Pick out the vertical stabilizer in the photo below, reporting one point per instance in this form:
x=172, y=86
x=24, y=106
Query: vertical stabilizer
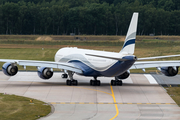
x=129, y=44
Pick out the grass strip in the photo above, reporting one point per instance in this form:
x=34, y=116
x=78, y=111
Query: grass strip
x=14, y=107
x=174, y=92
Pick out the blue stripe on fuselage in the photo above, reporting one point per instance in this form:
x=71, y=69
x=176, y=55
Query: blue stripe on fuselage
x=117, y=69
x=87, y=71
x=129, y=42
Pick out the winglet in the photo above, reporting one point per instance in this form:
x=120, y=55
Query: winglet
x=129, y=44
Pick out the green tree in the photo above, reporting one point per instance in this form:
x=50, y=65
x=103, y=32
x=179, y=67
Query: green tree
x=169, y=5
x=10, y=13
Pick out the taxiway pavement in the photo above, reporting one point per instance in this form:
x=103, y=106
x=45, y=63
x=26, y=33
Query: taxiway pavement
x=140, y=97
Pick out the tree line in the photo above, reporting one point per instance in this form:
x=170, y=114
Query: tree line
x=88, y=17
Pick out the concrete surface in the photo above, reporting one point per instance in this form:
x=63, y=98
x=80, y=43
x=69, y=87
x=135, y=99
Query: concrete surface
x=164, y=80
x=140, y=97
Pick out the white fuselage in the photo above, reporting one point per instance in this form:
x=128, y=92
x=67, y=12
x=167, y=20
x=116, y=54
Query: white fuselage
x=96, y=63
x=79, y=54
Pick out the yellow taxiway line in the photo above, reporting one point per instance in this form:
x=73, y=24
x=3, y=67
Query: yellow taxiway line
x=114, y=99
x=112, y=94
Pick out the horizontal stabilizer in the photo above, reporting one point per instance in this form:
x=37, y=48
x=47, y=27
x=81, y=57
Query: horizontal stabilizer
x=154, y=64
x=158, y=57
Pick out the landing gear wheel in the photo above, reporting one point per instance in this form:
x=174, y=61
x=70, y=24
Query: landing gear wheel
x=91, y=81
x=98, y=82
x=68, y=82
x=116, y=82
x=64, y=76
x=119, y=82
x=113, y=82
x=95, y=82
x=75, y=82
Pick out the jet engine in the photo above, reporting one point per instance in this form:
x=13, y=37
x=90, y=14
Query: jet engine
x=9, y=69
x=45, y=73
x=124, y=75
x=169, y=71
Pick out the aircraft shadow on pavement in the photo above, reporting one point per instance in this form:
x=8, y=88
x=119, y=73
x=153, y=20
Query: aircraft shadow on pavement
x=80, y=84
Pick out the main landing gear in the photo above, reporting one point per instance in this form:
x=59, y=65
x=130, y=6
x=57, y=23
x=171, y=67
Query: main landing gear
x=71, y=81
x=116, y=82
x=95, y=82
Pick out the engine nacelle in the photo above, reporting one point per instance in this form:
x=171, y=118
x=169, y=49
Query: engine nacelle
x=124, y=75
x=45, y=73
x=169, y=71
x=9, y=69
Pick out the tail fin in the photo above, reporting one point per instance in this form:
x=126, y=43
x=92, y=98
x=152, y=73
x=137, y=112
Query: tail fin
x=129, y=44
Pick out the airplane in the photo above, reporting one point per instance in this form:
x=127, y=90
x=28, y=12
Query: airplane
x=93, y=63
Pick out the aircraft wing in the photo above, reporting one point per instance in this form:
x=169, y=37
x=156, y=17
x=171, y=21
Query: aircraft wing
x=152, y=64
x=60, y=65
